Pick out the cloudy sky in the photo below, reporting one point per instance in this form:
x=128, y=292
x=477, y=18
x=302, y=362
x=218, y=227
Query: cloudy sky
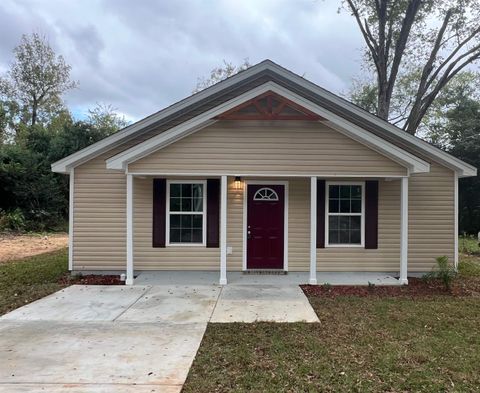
x=140, y=56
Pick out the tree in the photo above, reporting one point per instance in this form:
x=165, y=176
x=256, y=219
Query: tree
x=220, y=73
x=36, y=80
x=104, y=117
x=455, y=127
x=364, y=94
x=435, y=39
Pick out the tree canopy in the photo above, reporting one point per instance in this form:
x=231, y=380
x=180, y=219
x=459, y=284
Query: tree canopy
x=220, y=73
x=36, y=80
x=415, y=48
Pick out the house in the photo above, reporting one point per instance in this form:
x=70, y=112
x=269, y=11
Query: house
x=264, y=170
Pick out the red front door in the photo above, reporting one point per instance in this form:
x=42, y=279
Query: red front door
x=265, y=226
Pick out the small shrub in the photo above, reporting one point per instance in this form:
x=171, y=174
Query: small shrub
x=469, y=245
x=444, y=272
x=327, y=286
x=14, y=220
x=371, y=285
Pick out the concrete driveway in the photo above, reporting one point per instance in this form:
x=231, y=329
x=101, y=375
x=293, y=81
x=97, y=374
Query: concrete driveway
x=125, y=339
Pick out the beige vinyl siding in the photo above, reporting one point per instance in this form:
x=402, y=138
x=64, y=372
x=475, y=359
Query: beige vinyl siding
x=431, y=218
x=99, y=223
x=384, y=259
x=235, y=226
x=100, y=203
x=299, y=225
x=200, y=258
x=99, y=226
x=146, y=257
x=282, y=148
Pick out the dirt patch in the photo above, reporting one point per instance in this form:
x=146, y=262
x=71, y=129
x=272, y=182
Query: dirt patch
x=416, y=287
x=13, y=247
x=91, y=279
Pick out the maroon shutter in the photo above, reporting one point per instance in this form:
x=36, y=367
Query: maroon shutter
x=371, y=214
x=213, y=213
x=320, y=213
x=159, y=212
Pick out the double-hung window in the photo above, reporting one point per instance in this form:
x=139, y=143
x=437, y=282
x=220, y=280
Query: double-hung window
x=186, y=206
x=345, y=210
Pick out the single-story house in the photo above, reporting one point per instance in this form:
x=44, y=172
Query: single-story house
x=262, y=171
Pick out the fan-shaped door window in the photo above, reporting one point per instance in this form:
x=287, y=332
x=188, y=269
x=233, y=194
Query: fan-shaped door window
x=265, y=194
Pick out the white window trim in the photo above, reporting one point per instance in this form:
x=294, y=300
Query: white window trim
x=362, y=215
x=203, y=213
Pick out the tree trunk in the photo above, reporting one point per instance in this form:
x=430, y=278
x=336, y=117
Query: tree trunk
x=34, y=112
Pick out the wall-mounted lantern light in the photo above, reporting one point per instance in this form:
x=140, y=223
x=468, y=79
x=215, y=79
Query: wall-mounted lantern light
x=238, y=183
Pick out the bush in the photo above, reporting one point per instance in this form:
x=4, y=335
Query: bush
x=444, y=272
x=14, y=220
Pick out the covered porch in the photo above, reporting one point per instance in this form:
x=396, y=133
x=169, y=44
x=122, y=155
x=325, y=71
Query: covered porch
x=308, y=254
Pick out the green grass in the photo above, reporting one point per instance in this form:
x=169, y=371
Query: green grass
x=29, y=279
x=360, y=345
x=427, y=344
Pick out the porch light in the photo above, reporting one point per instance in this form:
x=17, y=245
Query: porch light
x=238, y=183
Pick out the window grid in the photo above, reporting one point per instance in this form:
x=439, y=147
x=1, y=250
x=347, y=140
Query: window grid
x=351, y=220
x=186, y=217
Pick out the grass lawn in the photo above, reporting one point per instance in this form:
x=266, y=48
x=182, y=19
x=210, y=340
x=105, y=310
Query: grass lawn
x=29, y=279
x=369, y=344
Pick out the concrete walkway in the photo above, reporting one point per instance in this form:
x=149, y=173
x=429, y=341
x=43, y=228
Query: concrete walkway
x=128, y=339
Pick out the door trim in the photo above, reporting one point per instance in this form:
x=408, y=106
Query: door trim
x=285, y=219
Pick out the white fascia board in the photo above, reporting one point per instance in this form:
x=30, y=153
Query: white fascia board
x=413, y=163
x=64, y=165
x=395, y=153
x=433, y=152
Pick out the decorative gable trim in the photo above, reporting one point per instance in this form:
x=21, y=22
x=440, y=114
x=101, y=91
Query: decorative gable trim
x=269, y=106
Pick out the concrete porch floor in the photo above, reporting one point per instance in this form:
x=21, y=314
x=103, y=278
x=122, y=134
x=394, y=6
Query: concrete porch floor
x=239, y=278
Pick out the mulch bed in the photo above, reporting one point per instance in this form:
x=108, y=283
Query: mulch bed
x=91, y=279
x=417, y=287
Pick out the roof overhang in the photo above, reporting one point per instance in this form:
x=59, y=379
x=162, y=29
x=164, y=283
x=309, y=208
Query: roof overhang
x=266, y=69
x=413, y=163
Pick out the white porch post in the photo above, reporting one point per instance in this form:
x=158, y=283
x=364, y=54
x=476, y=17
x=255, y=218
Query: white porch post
x=455, y=242
x=70, y=220
x=313, y=231
x=404, y=231
x=129, y=279
x=223, y=231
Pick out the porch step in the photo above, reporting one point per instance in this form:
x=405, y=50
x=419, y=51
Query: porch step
x=276, y=272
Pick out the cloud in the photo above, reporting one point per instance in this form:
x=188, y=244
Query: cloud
x=142, y=56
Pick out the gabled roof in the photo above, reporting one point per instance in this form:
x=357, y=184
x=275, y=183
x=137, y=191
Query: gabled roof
x=406, y=159
x=265, y=72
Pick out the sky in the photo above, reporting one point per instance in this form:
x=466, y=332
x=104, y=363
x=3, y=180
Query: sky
x=140, y=56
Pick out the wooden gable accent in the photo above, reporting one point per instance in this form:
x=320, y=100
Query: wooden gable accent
x=269, y=106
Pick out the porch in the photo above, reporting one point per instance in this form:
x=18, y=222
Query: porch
x=307, y=253
x=175, y=277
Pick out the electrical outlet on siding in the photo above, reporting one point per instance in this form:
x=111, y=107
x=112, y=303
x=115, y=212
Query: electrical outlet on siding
x=229, y=250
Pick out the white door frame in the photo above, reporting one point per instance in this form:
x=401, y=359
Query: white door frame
x=285, y=218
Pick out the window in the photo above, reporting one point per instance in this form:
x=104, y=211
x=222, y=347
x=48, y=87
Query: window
x=345, y=214
x=265, y=194
x=186, y=213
